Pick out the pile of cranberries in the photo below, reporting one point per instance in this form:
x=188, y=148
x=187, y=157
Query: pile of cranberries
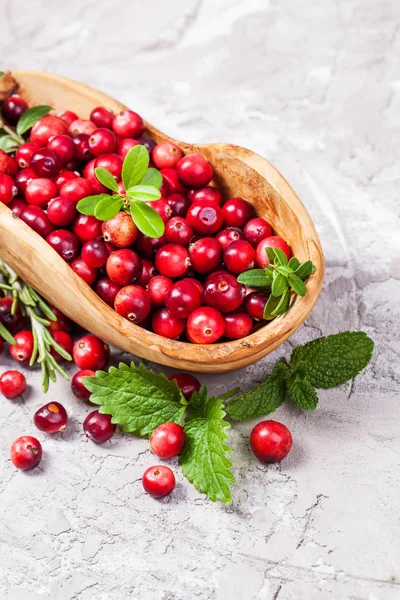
x=181, y=285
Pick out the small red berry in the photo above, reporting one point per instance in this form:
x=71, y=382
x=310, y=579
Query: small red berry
x=128, y=124
x=167, y=440
x=124, y=267
x=223, y=292
x=26, y=452
x=148, y=246
x=102, y=141
x=173, y=183
x=256, y=230
x=158, y=287
x=205, y=254
x=7, y=189
x=239, y=256
x=23, y=348
x=237, y=325
x=187, y=383
x=78, y=387
x=166, y=325
x=39, y=192
x=36, y=218
x=205, y=325
x=133, y=303
x=178, y=231
x=51, y=418
x=90, y=353
x=172, y=260
x=179, y=204
x=98, y=427
x=208, y=194
x=148, y=272
x=121, y=231
x=68, y=116
x=83, y=270
x=194, y=171
x=205, y=217
x=46, y=128
x=46, y=163
x=81, y=145
x=90, y=176
x=166, y=155
x=270, y=441
x=272, y=241
x=13, y=108
x=65, y=243
x=87, y=228
x=63, y=177
x=162, y=207
x=95, y=254
x=61, y=211
x=236, y=212
x=124, y=145
x=64, y=147
x=76, y=189
x=81, y=127
x=24, y=154
x=111, y=162
x=64, y=340
x=102, y=117
x=182, y=299
x=229, y=235
x=22, y=178
x=17, y=206
x=107, y=290
x=255, y=303
x=158, y=481
x=12, y=384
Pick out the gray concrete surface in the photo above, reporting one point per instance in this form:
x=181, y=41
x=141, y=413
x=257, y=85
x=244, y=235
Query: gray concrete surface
x=315, y=88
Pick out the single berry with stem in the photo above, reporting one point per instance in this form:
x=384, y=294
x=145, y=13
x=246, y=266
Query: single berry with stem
x=26, y=452
x=166, y=155
x=51, y=418
x=98, y=427
x=102, y=141
x=65, y=243
x=102, y=117
x=178, y=231
x=127, y=123
x=167, y=440
x=24, y=154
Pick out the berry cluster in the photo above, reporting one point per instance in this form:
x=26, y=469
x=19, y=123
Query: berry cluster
x=180, y=285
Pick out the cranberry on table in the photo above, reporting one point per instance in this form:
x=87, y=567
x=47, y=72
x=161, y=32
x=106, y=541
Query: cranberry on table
x=128, y=124
x=158, y=287
x=148, y=246
x=187, y=384
x=51, y=418
x=167, y=440
x=158, y=481
x=236, y=212
x=194, y=171
x=166, y=155
x=124, y=266
x=91, y=353
x=270, y=441
x=120, y=230
x=102, y=117
x=237, y=325
x=102, y=141
x=223, y=292
x=254, y=304
x=13, y=108
x=174, y=185
x=63, y=339
x=124, y=145
x=65, y=243
x=13, y=321
x=229, y=235
x=36, y=218
x=207, y=193
x=78, y=387
x=107, y=290
x=46, y=128
x=172, y=260
x=12, y=384
x=273, y=241
x=61, y=211
x=7, y=189
x=205, y=217
x=40, y=191
x=26, y=452
x=62, y=322
x=24, y=154
x=23, y=348
x=179, y=204
x=77, y=188
x=205, y=325
x=133, y=303
x=68, y=116
x=95, y=254
x=81, y=127
x=182, y=299
x=84, y=271
x=178, y=231
x=239, y=256
x=98, y=427
x=166, y=325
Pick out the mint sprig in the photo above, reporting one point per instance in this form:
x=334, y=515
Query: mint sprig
x=141, y=185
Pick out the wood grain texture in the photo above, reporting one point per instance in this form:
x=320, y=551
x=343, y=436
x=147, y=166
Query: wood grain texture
x=238, y=172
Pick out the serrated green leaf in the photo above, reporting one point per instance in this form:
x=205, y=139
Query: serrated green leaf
x=279, y=284
x=294, y=263
x=331, y=361
x=256, y=278
x=282, y=305
x=147, y=220
x=297, y=284
x=108, y=207
x=138, y=399
x=87, y=205
x=135, y=166
x=270, y=306
x=204, y=459
x=30, y=116
x=6, y=335
x=106, y=178
x=305, y=270
x=302, y=392
x=261, y=400
x=8, y=144
x=152, y=177
x=144, y=193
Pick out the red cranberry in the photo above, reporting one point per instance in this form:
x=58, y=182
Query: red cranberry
x=229, y=235
x=166, y=155
x=158, y=288
x=61, y=211
x=158, y=481
x=13, y=108
x=124, y=267
x=67, y=116
x=179, y=204
x=81, y=127
x=51, y=418
x=237, y=325
x=95, y=254
x=46, y=128
x=172, y=260
x=90, y=353
x=82, y=269
x=187, y=384
x=205, y=325
x=166, y=325
x=62, y=322
x=167, y=440
x=205, y=254
x=63, y=177
x=182, y=299
x=236, y=212
x=46, y=163
x=8, y=166
x=65, y=243
x=148, y=246
x=102, y=141
x=24, y=154
x=148, y=272
x=102, y=117
x=76, y=189
x=124, y=145
x=22, y=179
x=270, y=441
x=147, y=142
x=133, y=303
x=40, y=191
x=81, y=145
x=171, y=177
x=107, y=290
x=12, y=384
x=194, y=171
x=195, y=282
x=208, y=194
x=256, y=230
x=64, y=147
x=223, y=292
x=78, y=387
x=36, y=218
x=239, y=256
x=23, y=348
x=205, y=217
x=162, y=207
x=128, y=124
x=272, y=241
x=17, y=206
x=7, y=189
x=26, y=452
x=90, y=176
x=64, y=340
x=111, y=162
x=178, y=231
x=12, y=320
x=86, y=228
x=255, y=304
x=121, y=231
x=98, y=427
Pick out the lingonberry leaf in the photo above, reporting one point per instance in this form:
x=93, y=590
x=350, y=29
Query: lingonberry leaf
x=302, y=392
x=294, y=263
x=204, y=459
x=285, y=271
x=144, y=193
x=1, y=73
x=279, y=284
x=106, y=178
x=282, y=305
x=8, y=144
x=276, y=256
x=135, y=166
x=147, y=220
x=270, y=306
x=87, y=205
x=256, y=278
x=30, y=116
x=108, y=207
x=152, y=177
x=305, y=270
x=138, y=399
x=261, y=400
x=297, y=284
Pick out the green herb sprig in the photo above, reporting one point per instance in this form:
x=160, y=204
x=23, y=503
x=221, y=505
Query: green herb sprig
x=11, y=139
x=142, y=184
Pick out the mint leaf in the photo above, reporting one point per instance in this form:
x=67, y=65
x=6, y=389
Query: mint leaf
x=279, y=284
x=8, y=144
x=256, y=278
x=135, y=166
x=302, y=392
x=152, y=177
x=147, y=220
x=297, y=284
x=143, y=193
x=204, y=459
x=263, y=399
x=87, y=205
x=106, y=179
x=30, y=116
x=108, y=207
x=138, y=399
x=331, y=361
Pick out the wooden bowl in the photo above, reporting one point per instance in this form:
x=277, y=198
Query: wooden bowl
x=238, y=172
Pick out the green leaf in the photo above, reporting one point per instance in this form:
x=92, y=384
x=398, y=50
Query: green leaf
x=108, y=207
x=135, y=166
x=302, y=392
x=147, y=220
x=294, y=263
x=279, y=285
x=263, y=399
x=282, y=305
x=285, y=271
x=8, y=144
x=106, y=179
x=6, y=335
x=256, y=278
x=271, y=254
x=331, y=361
x=138, y=399
x=204, y=459
x=152, y=177
x=1, y=73
x=30, y=116
x=297, y=285
x=280, y=257
x=305, y=270
x=144, y=193
x=270, y=306
x=87, y=205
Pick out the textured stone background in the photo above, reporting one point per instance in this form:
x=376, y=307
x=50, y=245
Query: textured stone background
x=314, y=87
